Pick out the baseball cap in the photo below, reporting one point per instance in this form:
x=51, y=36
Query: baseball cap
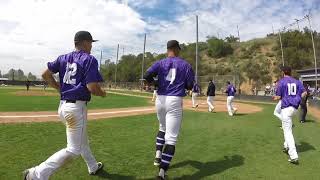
x=83, y=36
x=173, y=44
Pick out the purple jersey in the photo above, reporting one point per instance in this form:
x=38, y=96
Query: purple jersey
x=174, y=74
x=231, y=90
x=196, y=88
x=290, y=91
x=76, y=70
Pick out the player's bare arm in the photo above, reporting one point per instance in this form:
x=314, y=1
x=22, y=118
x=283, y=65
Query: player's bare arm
x=276, y=98
x=47, y=75
x=96, y=89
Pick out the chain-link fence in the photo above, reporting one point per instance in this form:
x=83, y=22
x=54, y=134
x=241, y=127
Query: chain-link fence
x=219, y=81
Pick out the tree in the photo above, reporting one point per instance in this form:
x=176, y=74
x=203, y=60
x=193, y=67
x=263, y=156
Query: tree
x=31, y=77
x=217, y=48
x=231, y=39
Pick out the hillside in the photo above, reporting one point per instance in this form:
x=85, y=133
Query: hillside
x=250, y=64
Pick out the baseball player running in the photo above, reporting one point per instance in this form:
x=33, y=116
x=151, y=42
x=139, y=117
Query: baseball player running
x=79, y=77
x=231, y=91
x=195, y=93
x=211, y=92
x=174, y=76
x=289, y=91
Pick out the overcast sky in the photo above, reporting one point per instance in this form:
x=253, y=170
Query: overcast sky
x=33, y=32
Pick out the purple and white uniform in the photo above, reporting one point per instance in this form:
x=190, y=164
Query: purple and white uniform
x=76, y=70
x=230, y=91
x=290, y=91
x=195, y=93
x=175, y=75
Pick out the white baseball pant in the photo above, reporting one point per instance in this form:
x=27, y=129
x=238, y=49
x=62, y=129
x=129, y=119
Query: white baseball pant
x=286, y=117
x=210, y=102
x=169, y=113
x=74, y=116
x=230, y=105
x=277, y=110
x=194, y=99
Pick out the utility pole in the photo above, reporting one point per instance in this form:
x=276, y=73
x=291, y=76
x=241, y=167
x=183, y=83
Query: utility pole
x=314, y=51
x=142, y=64
x=281, y=47
x=297, y=20
x=115, y=77
x=238, y=33
x=272, y=29
x=197, y=53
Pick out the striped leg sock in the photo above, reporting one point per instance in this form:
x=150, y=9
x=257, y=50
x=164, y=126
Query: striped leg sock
x=159, y=143
x=167, y=156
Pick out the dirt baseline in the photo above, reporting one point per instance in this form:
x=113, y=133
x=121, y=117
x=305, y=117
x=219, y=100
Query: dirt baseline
x=96, y=114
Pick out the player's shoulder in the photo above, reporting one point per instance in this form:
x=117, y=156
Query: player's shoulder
x=183, y=62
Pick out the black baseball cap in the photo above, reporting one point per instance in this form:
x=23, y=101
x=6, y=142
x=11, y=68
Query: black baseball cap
x=83, y=36
x=173, y=44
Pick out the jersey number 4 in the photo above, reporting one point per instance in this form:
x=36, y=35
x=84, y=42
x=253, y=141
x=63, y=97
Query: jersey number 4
x=71, y=70
x=292, y=89
x=171, y=75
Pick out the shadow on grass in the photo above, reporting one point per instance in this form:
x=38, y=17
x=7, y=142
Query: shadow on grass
x=310, y=121
x=210, y=168
x=105, y=175
x=304, y=146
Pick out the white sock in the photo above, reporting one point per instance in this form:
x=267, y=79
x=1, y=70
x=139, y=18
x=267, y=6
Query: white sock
x=158, y=154
x=161, y=173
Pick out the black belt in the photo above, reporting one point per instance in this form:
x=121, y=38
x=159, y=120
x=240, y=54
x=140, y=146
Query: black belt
x=71, y=101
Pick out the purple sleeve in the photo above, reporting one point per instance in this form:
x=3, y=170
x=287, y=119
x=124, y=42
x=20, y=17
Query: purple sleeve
x=154, y=69
x=54, y=66
x=278, y=91
x=92, y=74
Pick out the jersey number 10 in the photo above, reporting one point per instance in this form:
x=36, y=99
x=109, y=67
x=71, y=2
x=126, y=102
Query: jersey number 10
x=292, y=89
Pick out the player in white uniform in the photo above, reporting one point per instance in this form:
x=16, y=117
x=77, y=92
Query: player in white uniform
x=231, y=91
x=79, y=78
x=195, y=94
x=174, y=76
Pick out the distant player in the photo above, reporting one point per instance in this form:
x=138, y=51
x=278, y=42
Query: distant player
x=28, y=84
x=211, y=92
x=174, y=76
x=195, y=94
x=303, y=104
x=230, y=91
x=289, y=91
x=79, y=77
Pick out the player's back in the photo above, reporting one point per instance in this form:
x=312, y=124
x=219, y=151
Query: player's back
x=173, y=75
x=73, y=71
x=290, y=91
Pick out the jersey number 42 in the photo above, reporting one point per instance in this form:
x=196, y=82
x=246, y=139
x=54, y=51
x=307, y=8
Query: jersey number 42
x=71, y=71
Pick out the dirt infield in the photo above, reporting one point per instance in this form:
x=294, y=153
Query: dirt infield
x=49, y=116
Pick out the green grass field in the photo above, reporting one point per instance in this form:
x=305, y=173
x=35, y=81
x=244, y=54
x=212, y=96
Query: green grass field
x=10, y=102
x=211, y=146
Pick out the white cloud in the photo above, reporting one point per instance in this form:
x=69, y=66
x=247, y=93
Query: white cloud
x=33, y=32
x=36, y=31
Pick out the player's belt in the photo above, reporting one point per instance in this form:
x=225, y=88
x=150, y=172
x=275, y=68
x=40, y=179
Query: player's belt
x=71, y=101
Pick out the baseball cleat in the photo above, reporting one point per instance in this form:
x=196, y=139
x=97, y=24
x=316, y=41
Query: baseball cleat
x=294, y=161
x=285, y=150
x=100, y=166
x=157, y=161
x=159, y=178
x=234, y=110
x=197, y=105
x=27, y=173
